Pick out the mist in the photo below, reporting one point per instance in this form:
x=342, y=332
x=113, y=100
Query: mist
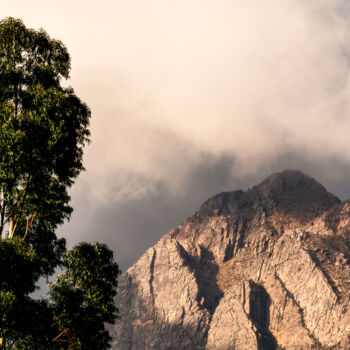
x=191, y=98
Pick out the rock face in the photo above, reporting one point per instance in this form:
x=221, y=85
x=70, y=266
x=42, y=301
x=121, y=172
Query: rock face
x=264, y=269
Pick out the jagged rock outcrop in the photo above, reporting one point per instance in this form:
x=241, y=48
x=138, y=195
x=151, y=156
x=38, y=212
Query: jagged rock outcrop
x=264, y=269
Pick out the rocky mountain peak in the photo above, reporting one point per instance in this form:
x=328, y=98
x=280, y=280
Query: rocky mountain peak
x=292, y=187
x=290, y=192
x=262, y=269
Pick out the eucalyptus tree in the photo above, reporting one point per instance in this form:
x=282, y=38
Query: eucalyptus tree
x=43, y=129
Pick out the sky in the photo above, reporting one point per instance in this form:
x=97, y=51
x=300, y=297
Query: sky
x=190, y=98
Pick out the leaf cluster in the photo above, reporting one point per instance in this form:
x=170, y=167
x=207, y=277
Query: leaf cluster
x=86, y=290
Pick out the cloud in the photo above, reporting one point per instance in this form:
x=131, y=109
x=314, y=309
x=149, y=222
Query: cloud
x=253, y=80
x=190, y=98
x=132, y=225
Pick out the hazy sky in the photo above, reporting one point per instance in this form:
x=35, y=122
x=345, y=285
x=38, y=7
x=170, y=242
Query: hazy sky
x=193, y=97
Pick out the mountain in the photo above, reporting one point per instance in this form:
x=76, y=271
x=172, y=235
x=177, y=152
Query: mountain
x=264, y=269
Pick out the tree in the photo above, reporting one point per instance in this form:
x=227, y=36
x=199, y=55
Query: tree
x=43, y=129
x=87, y=291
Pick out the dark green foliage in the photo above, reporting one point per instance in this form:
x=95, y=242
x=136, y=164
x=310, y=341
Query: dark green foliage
x=43, y=129
x=20, y=267
x=84, y=296
x=34, y=328
x=48, y=248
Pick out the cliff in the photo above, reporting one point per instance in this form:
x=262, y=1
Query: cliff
x=268, y=268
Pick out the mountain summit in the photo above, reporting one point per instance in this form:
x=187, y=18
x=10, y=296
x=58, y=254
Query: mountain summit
x=290, y=192
x=264, y=269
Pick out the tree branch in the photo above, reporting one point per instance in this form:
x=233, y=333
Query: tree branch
x=29, y=223
x=63, y=334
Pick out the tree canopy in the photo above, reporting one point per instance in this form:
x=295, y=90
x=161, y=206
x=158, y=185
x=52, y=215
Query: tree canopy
x=43, y=129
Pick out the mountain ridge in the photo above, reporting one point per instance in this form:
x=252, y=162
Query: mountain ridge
x=243, y=271
x=281, y=190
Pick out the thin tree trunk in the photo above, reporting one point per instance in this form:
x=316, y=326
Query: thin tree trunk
x=2, y=213
x=12, y=228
